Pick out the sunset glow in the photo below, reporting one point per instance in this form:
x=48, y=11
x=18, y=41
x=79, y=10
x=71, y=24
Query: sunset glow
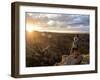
x=32, y=27
x=69, y=23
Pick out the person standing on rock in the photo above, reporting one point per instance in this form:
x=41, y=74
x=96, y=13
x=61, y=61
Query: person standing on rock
x=75, y=57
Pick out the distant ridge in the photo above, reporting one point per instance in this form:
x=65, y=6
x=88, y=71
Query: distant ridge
x=69, y=32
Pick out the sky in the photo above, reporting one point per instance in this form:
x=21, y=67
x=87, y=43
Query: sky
x=57, y=22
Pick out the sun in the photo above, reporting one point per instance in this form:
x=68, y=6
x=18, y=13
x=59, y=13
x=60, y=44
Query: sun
x=29, y=28
x=32, y=27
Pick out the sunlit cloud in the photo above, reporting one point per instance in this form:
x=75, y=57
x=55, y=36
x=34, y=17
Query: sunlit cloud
x=59, y=22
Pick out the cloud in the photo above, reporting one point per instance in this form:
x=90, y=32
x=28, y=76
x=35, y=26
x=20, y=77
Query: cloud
x=63, y=21
x=51, y=23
